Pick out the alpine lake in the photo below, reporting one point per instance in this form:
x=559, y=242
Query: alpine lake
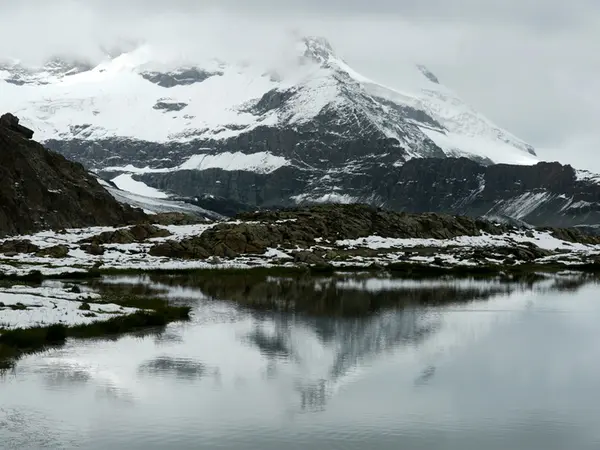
x=331, y=361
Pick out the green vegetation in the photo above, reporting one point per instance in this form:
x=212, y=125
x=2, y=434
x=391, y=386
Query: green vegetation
x=400, y=269
x=156, y=313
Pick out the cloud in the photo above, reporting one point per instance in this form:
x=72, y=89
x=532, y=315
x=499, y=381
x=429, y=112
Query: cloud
x=530, y=66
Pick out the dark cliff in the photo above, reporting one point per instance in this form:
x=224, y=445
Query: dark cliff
x=40, y=189
x=546, y=194
x=360, y=169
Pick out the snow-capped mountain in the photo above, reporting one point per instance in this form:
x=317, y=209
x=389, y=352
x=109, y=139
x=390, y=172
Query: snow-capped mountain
x=138, y=96
x=309, y=128
x=134, y=96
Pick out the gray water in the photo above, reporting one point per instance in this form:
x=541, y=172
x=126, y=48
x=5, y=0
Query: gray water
x=428, y=365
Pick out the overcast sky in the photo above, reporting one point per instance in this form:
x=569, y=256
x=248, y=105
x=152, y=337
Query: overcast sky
x=532, y=66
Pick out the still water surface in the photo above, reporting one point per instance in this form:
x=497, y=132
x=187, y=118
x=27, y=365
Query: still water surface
x=361, y=364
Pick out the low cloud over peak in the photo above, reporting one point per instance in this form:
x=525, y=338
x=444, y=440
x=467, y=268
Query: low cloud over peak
x=532, y=67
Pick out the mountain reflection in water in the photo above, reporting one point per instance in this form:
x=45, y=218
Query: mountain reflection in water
x=354, y=357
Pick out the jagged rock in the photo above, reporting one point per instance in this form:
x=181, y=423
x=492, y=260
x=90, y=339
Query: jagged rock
x=12, y=123
x=338, y=222
x=57, y=251
x=301, y=227
x=574, y=235
x=18, y=246
x=40, y=189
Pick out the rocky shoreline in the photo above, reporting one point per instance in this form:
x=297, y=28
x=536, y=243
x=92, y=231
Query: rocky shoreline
x=39, y=305
x=325, y=237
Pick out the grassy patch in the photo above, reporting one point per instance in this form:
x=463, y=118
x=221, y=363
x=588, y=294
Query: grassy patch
x=36, y=276
x=401, y=269
x=14, y=343
x=521, y=272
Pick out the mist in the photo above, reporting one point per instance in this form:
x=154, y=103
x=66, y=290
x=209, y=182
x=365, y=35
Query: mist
x=530, y=67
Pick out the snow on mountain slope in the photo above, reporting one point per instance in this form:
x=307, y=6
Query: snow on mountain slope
x=125, y=182
x=154, y=202
x=142, y=96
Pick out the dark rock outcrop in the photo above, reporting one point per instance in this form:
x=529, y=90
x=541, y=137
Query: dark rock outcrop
x=175, y=218
x=57, y=251
x=12, y=123
x=18, y=246
x=40, y=189
x=93, y=249
x=181, y=77
x=304, y=228
x=364, y=169
x=170, y=106
x=137, y=233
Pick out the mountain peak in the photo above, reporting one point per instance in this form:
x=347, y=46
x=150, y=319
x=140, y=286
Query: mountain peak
x=318, y=49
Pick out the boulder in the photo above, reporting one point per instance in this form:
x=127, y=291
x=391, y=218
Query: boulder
x=309, y=258
x=147, y=231
x=57, y=251
x=187, y=249
x=93, y=249
x=18, y=246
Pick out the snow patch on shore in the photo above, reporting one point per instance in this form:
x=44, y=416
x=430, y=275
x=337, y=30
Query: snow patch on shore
x=29, y=307
x=543, y=240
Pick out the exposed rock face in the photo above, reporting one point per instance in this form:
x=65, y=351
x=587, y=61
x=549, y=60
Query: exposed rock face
x=175, y=218
x=12, y=123
x=546, y=194
x=40, y=189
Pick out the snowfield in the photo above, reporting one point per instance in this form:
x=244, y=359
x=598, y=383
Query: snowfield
x=259, y=162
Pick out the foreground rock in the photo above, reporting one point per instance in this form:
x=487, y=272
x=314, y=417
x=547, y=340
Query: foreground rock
x=40, y=189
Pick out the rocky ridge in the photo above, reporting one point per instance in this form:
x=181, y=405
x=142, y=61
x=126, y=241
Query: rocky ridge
x=40, y=189
x=325, y=236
